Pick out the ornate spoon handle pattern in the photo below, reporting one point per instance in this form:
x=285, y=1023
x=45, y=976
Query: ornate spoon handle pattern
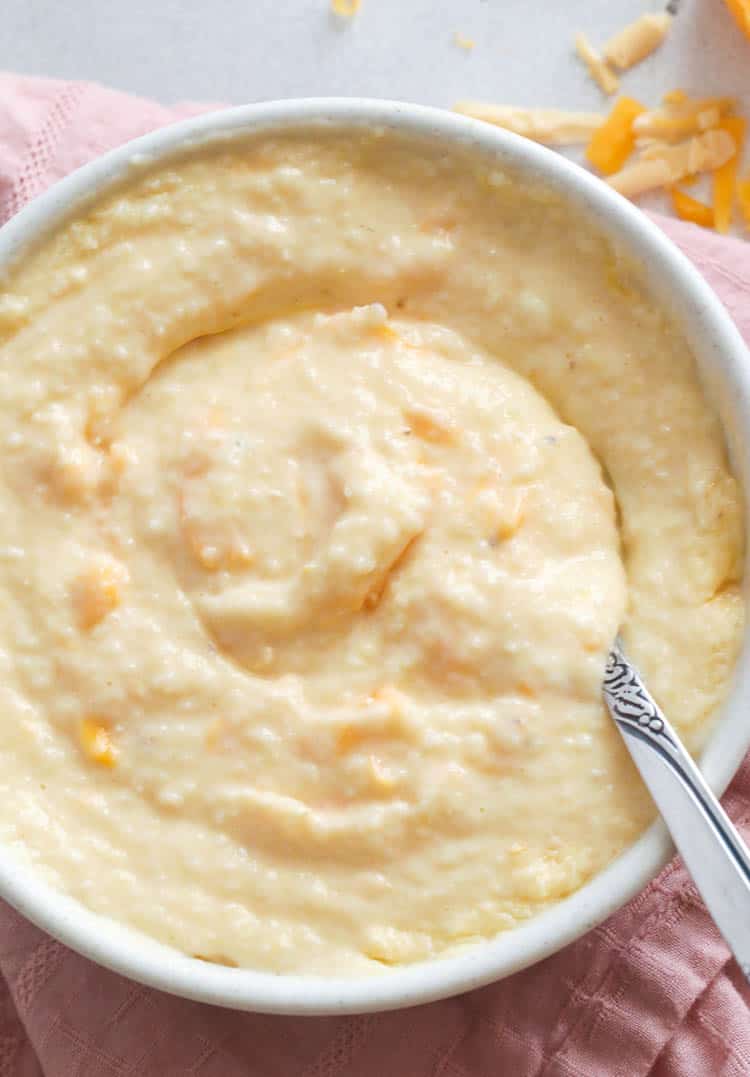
x=713, y=851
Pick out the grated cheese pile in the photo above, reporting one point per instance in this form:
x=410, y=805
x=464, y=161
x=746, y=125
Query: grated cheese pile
x=638, y=150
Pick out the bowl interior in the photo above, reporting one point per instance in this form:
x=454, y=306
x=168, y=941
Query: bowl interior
x=721, y=357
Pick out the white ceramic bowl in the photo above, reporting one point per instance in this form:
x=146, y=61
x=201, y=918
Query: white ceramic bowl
x=723, y=360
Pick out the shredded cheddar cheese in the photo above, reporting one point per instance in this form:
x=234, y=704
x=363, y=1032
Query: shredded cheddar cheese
x=98, y=590
x=430, y=427
x=512, y=520
x=598, y=69
x=741, y=11
x=613, y=142
x=642, y=150
x=743, y=197
x=394, y=700
x=637, y=41
x=550, y=126
x=703, y=153
x=380, y=776
x=725, y=177
x=686, y=118
x=215, y=732
x=690, y=209
x=96, y=742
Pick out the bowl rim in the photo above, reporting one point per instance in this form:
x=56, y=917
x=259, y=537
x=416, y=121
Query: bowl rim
x=719, y=349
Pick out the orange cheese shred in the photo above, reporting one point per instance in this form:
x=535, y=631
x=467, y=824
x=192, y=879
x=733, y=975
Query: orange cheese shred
x=725, y=177
x=96, y=742
x=743, y=197
x=741, y=11
x=613, y=142
x=690, y=209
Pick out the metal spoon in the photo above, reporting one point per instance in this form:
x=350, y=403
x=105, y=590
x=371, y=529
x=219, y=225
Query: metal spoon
x=713, y=851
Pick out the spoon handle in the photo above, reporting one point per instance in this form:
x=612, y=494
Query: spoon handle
x=710, y=845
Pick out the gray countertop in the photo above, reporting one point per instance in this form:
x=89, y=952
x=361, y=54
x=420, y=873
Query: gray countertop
x=241, y=50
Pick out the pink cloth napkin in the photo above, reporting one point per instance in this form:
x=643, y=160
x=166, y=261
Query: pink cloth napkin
x=651, y=991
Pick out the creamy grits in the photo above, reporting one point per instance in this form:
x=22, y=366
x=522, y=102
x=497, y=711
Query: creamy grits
x=310, y=559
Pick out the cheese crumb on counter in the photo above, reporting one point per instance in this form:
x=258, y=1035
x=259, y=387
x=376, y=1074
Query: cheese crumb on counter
x=345, y=9
x=464, y=42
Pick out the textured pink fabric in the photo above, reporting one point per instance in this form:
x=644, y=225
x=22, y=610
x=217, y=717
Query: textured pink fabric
x=651, y=991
